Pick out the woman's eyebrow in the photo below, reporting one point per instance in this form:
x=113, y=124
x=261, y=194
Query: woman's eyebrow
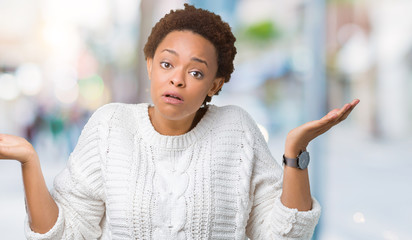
x=170, y=51
x=196, y=59
x=199, y=60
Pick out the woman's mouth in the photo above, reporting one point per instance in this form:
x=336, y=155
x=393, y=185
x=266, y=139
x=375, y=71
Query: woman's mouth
x=172, y=98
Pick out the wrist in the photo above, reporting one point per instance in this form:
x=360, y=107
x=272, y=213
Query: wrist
x=294, y=145
x=32, y=159
x=293, y=152
x=301, y=161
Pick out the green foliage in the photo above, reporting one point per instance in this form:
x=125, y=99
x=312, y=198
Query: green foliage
x=262, y=31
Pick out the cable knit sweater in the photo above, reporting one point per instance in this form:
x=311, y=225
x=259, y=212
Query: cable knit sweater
x=124, y=180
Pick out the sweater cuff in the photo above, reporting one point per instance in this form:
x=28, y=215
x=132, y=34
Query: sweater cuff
x=54, y=233
x=293, y=223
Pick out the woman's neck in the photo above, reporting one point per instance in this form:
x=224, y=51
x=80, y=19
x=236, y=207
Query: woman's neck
x=169, y=127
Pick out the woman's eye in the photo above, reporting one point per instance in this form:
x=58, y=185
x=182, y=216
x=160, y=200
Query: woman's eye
x=196, y=74
x=165, y=65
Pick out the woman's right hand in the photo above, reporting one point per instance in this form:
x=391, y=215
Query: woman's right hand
x=17, y=148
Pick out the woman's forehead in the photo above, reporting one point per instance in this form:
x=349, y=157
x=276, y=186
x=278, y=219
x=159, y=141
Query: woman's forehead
x=187, y=43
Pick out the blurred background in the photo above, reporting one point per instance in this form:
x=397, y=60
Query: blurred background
x=60, y=60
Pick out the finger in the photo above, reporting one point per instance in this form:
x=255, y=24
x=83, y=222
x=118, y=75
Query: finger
x=343, y=112
x=325, y=123
x=336, y=114
x=347, y=107
x=352, y=105
x=319, y=126
x=339, y=114
x=345, y=115
x=333, y=112
x=355, y=102
x=330, y=115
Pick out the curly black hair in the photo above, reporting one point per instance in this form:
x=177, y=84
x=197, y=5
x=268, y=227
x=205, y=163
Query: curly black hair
x=204, y=23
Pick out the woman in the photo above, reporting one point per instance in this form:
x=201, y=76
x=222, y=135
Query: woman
x=180, y=168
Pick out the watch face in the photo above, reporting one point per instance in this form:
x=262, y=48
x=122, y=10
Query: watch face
x=303, y=160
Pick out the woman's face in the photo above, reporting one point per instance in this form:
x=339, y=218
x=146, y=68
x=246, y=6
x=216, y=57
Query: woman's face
x=182, y=73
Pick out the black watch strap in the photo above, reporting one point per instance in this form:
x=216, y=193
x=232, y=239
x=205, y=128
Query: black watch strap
x=290, y=162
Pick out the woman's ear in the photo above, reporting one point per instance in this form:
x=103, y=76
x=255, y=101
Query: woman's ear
x=217, y=84
x=149, y=64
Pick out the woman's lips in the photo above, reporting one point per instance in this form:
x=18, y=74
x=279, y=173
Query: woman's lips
x=173, y=98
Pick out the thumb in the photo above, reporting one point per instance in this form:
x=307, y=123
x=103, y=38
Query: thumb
x=331, y=115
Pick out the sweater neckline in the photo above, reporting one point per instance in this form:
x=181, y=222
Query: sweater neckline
x=182, y=141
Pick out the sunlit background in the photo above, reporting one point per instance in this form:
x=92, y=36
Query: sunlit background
x=60, y=60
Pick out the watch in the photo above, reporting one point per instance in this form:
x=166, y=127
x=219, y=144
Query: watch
x=301, y=162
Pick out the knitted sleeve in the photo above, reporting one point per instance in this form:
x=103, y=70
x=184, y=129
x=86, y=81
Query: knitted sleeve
x=78, y=189
x=269, y=218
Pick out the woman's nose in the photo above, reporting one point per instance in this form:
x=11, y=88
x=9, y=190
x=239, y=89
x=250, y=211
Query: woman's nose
x=178, y=79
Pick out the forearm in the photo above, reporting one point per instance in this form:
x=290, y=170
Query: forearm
x=42, y=210
x=296, y=187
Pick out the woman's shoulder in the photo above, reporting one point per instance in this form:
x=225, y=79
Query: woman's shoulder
x=105, y=110
x=117, y=106
x=116, y=110
x=228, y=110
x=237, y=118
x=232, y=113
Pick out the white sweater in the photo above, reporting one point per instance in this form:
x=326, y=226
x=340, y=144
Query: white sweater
x=124, y=180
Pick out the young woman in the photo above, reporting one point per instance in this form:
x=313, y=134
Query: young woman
x=180, y=168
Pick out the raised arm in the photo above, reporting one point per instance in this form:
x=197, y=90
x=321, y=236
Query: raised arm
x=41, y=208
x=296, y=190
x=285, y=209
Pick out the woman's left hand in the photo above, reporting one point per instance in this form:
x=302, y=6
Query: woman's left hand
x=299, y=138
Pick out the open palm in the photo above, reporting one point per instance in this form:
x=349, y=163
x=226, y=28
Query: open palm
x=299, y=138
x=14, y=147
